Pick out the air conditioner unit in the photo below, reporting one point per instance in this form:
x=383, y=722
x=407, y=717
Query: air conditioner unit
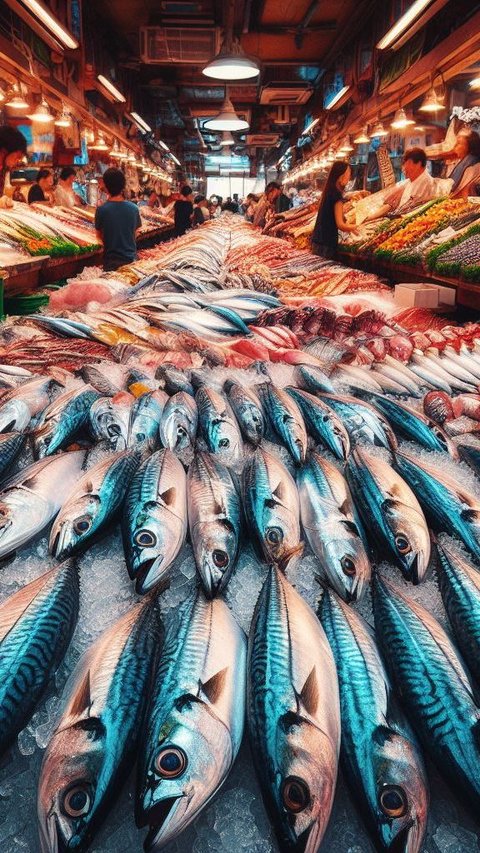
x=186, y=45
x=288, y=94
x=262, y=140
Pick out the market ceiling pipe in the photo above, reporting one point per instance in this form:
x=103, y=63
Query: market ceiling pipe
x=300, y=33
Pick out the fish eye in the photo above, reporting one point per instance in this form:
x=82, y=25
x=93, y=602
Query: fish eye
x=77, y=801
x=171, y=762
x=145, y=539
x=402, y=544
x=348, y=566
x=274, y=535
x=295, y=794
x=393, y=801
x=220, y=558
x=224, y=442
x=82, y=524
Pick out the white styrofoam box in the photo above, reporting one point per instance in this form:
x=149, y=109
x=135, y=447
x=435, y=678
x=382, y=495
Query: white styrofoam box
x=417, y=295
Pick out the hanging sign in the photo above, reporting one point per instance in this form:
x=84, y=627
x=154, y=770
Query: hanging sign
x=385, y=168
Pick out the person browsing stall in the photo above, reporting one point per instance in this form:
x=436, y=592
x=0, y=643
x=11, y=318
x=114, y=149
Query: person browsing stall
x=41, y=191
x=64, y=194
x=117, y=222
x=330, y=217
x=13, y=148
x=183, y=210
x=467, y=154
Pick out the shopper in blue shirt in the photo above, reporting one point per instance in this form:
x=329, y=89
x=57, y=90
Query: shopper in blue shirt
x=117, y=222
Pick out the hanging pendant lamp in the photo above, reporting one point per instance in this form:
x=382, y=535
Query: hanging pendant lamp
x=401, y=120
x=431, y=103
x=363, y=137
x=42, y=113
x=378, y=131
x=227, y=119
x=16, y=100
x=232, y=63
x=63, y=120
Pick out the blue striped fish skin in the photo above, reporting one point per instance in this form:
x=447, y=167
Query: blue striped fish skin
x=11, y=444
x=19, y=406
x=286, y=419
x=361, y=420
x=154, y=520
x=313, y=379
x=215, y=521
x=459, y=582
x=323, y=424
x=391, y=514
x=174, y=380
x=93, y=503
x=380, y=755
x=145, y=418
x=449, y=507
x=95, y=744
x=414, y=425
x=36, y=626
x=272, y=509
x=218, y=425
x=471, y=455
x=195, y=718
x=293, y=715
x=434, y=686
x=63, y=420
x=332, y=527
x=247, y=410
x=179, y=422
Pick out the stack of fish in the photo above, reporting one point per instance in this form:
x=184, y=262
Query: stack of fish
x=284, y=457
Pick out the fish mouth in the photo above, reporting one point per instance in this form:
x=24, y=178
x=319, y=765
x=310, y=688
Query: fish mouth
x=408, y=839
x=157, y=817
x=49, y=835
x=145, y=578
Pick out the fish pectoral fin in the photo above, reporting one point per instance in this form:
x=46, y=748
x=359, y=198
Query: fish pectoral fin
x=309, y=694
x=382, y=734
x=168, y=497
x=344, y=508
x=83, y=699
x=279, y=491
x=470, y=515
x=93, y=726
x=213, y=688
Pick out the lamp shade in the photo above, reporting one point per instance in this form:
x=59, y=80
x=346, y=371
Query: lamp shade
x=378, y=131
x=431, y=104
x=227, y=139
x=227, y=119
x=232, y=64
x=63, y=120
x=401, y=120
x=16, y=100
x=42, y=113
x=363, y=137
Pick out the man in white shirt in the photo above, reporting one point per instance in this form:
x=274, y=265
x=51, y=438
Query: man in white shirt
x=419, y=186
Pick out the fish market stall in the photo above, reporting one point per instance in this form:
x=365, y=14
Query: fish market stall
x=208, y=461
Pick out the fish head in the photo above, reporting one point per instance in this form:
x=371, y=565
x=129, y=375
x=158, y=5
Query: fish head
x=252, y=421
x=189, y=760
x=152, y=547
x=71, y=785
x=410, y=538
x=348, y=563
x=75, y=524
x=23, y=514
x=225, y=440
x=303, y=783
x=280, y=532
x=398, y=797
x=215, y=548
x=15, y=415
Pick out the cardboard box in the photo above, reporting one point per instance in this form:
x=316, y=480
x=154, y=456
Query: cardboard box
x=417, y=295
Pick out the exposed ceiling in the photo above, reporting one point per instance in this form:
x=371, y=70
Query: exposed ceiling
x=165, y=44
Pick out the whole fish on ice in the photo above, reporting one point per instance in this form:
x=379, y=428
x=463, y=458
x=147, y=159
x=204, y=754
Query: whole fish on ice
x=218, y=424
x=179, y=421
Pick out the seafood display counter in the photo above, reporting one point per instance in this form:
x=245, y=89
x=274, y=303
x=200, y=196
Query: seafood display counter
x=231, y=439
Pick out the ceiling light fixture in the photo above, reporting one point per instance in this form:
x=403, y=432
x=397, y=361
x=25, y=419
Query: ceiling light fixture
x=51, y=23
x=141, y=123
x=336, y=98
x=42, y=113
x=16, y=100
x=108, y=85
x=475, y=83
x=63, y=119
x=431, y=103
x=363, y=137
x=401, y=120
x=227, y=119
x=115, y=151
x=175, y=159
x=346, y=146
x=227, y=139
x=403, y=24
x=378, y=131
x=162, y=145
x=99, y=143
x=232, y=63
x=131, y=158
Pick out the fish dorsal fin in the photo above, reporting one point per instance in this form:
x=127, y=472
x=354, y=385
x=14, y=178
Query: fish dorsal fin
x=13, y=608
x=168, y=497
x=82, y=699
x=382, y=734
x=93, y=725
x=213, y=688
x=470, y=515
x=309, y=694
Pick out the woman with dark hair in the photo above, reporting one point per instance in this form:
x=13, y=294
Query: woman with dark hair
x=41, y=190
x=13, y=147
x=330, y=217
x=201, y=212
x=467, y=152
x=64, y=194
